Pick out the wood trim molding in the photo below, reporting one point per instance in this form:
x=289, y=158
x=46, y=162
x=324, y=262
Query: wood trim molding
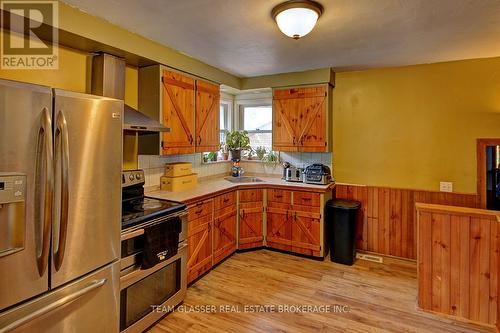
x=481, y=145
x=454, y=210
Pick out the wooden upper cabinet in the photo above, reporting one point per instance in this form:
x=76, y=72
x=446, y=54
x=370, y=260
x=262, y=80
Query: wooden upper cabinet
x=207, y=116
x=189, y=106
x=178, y=113
x=301, y=118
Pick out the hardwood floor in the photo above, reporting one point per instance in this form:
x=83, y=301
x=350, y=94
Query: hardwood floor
x=380, y=297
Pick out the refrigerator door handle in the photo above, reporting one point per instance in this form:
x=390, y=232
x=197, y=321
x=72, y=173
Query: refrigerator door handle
x=55, y=305
x=43, y=200
x=62, y=151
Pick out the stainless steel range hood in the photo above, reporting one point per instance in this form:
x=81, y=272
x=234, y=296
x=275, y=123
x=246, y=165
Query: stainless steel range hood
x=108, y=79
x=137, y=121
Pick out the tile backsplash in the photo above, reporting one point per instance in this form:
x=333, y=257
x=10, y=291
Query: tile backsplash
x=301, y=160
x=153, y=166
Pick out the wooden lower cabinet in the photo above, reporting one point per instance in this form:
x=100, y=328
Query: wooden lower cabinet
x=251, y=220
x=224, y=234
x=213, y=234
x=306, y=233
x=294, y=222
x=200, y=247
x=279, y=227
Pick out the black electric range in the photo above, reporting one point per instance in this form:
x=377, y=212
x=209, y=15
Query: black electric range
x=137, y=208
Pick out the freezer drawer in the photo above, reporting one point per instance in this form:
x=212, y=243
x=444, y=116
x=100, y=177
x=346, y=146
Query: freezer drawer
x=90, y=304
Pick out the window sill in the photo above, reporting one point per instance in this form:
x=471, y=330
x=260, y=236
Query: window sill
x=216, y=162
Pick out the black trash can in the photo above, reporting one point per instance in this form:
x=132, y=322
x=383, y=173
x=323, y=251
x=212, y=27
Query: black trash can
x=341, y=222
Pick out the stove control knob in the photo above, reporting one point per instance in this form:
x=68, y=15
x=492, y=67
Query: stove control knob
x=138, y=176
x=131, y=177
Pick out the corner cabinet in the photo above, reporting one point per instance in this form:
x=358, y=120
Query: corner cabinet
x=186, y=104
x=245, y=219
x=250, y=218
x=302, y=118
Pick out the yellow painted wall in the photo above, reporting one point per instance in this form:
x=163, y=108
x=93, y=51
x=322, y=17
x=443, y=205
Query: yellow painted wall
x=73, y=74
x=415, y=126
x=132, y=86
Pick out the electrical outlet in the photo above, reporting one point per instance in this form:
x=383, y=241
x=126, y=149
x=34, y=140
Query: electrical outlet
x=446, y=186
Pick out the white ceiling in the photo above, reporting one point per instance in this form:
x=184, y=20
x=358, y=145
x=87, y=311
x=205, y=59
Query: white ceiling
x=240, y=37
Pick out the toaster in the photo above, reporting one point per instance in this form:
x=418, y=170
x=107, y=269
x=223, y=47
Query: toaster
x=317, y=174
x=293, y=174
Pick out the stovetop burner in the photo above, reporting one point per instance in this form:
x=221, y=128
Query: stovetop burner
x=140, y=210
x=137, y=208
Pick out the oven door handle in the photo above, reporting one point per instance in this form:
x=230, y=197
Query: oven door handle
x=132, y=234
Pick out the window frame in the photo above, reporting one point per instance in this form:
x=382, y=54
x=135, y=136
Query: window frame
x=228, y=108
x=241, y=118
x=255, y=104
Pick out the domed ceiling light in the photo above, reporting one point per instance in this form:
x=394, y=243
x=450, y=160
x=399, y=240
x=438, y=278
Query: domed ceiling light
x=297, y=18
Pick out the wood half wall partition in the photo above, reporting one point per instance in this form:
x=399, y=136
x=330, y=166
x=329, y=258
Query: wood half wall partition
x=387, y=222
x=458, y=262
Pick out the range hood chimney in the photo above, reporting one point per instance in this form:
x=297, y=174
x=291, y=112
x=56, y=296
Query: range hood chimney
x=108, y=79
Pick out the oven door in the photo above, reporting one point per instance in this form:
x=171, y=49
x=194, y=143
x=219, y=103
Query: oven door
x=163, y=285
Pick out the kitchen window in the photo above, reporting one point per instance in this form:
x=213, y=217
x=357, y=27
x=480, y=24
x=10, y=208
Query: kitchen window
x=224, y=120
x=258, y=121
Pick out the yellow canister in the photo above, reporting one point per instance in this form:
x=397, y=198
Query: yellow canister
x=178, y=169
x=182, y=183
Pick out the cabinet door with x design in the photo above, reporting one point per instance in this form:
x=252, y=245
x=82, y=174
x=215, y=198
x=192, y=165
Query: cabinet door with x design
x=301, y=118
x=224, y=233
x=207, y=116
x=250, y=218
x=306, y=232
x=178, y=113
x=279, y=227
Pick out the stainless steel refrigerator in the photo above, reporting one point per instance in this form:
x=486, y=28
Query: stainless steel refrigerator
x=60, y=210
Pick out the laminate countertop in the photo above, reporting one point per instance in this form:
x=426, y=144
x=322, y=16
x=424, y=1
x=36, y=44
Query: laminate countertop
x=218, y=185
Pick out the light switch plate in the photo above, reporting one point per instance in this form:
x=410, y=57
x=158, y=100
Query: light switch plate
x=446, y=186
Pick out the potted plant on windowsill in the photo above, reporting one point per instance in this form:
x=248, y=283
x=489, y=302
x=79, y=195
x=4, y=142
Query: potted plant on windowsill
x=225, y=152
x=261, y=152
x=237, y=141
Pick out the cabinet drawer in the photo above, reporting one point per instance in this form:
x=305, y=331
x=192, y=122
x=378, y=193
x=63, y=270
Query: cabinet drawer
x=251, y=195
x=195, y=225
x=306, y=199
x=200, y=209
x=283, y=196
x=225, y=200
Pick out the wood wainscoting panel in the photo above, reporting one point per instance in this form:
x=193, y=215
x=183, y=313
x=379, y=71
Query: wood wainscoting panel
x=458, y=261
x=387, y=219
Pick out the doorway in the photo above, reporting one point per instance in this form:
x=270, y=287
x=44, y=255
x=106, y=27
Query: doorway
x=488, y=159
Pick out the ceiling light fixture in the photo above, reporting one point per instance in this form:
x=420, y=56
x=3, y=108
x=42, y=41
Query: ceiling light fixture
x=296, y=18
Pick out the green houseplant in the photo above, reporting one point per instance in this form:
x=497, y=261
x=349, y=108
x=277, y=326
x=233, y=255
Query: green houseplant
x=261, y=152
x=237, y=141
x=271, y=158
